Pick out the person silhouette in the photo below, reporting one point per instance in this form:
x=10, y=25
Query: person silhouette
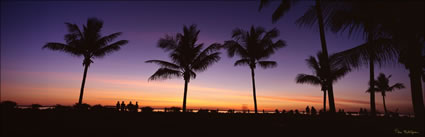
x=307, y=110
x=136, y=107
x=130, y=107
x=118, y=106
x=122, y=106
x=313, y=110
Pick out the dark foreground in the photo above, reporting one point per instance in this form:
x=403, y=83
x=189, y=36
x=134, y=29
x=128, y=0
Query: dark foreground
x=119, y=124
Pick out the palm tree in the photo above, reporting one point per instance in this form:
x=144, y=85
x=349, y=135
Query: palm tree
x=392, y=32
x=319, y=76
x=87, y=43
x=317, y=11
x=188, y=57
x=253, y=47
x=406, y=26
x=382, y=85
x=362, y=17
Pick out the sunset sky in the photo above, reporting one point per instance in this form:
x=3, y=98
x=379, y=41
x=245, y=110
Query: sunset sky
x=32, y=75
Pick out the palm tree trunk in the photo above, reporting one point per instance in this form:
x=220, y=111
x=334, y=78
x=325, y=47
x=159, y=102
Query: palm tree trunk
x=253, y=89
x=321, y=29
x=325, y=53
x=80, y=100
x=185, y=93
x=324, y=101
x=416, y=89
x=371, y=87
x=385, y=107
x=331, y=99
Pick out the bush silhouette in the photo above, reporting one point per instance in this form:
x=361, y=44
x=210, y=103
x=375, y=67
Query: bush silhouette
x=98, y=107
x=174, y=109
x=8, y=105
x=36, y=106
x=147, y=109
x=81, y=107
x=59, y=107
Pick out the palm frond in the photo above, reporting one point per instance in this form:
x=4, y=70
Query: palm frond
x=165, y=73
x=380, y=50
x=99, y=53
x=256, y=32
x=309, y=18
x=164, y=64
x=234, y=47
x=263, y=3
x=272, y=47
x=338, y=73
x=271, y=34
x=267, y=64
x=313, y=63
x=397, y=86
x=207, y=57
x=106, y=39
x=192, y=74
x=168, y=42
x=238, y=34
x=243, y=62
x=74, y=33
x=64, y=48
x=307, y=79
x=94, y=25
x=204, y=62
x=374, y=89
x=283, y=7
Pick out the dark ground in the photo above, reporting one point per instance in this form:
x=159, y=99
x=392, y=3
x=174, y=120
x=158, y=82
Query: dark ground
x=118, y=124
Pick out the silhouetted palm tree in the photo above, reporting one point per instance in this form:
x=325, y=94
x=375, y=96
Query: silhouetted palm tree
x=88, y=43
x=407, y=30
x=253, y=47
x=317, y=12
x=382, y=85
x=320, y=76
x=393, y=30
x=188, y=57
x=360, y=17
x=376, y=49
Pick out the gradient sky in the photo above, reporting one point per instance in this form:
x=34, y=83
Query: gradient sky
x=31, y=75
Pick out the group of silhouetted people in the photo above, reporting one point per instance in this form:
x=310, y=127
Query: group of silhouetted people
x=363, y=112
x=311, y=111
x=129, y=107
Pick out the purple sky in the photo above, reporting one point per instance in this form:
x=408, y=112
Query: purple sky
x=32, y=75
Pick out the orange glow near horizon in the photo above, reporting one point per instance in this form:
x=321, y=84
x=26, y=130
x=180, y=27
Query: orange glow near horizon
x=100, y=90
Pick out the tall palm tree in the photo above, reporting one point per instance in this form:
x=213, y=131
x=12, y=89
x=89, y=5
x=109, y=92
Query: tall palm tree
x=253, y=47
x=397, y=31
x=382, y=85
x=88, y=43
x=188, y=57
x=284, y=7
x=320, y=77
x=406, y=26
x=376, y=47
